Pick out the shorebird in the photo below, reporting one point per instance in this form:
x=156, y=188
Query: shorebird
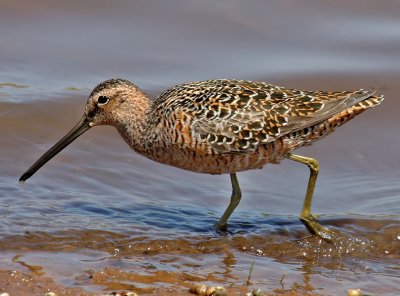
x=220, y=127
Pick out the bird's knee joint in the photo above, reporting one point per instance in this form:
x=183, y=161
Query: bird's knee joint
x=236, y=196
x=313, y=165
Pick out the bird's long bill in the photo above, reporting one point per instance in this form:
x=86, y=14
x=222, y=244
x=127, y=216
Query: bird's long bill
x=81, y=127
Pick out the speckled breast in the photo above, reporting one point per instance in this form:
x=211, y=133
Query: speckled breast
x=214, y=163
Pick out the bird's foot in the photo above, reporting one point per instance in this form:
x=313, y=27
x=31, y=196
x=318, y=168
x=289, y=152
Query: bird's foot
x=221, y=227
x=315, y=228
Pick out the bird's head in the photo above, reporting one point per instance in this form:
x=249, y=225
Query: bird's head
x=110, y=103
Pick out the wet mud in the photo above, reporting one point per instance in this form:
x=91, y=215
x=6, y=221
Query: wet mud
x=99, y=218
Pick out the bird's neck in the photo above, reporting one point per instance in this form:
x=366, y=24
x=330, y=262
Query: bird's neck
x=132, y=125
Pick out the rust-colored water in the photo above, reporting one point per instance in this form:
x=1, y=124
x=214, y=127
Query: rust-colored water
x=99, y=218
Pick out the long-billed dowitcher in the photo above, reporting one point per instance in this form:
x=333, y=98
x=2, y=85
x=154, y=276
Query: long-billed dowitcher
x=220, y=126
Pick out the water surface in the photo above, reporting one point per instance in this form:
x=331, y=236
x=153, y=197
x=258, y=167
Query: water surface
x=100, y=218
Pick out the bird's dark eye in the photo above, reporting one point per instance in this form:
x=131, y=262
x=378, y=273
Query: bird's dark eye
x=102, y=100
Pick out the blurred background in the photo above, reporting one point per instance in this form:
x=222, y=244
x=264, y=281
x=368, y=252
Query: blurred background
x=52, y=53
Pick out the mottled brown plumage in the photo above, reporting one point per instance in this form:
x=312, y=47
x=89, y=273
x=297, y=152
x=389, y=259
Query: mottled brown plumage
x=220, y=126
x=226, y=126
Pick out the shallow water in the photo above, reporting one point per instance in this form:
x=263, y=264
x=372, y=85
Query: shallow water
x=101, y=218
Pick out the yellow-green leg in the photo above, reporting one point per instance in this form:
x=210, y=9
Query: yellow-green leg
x=235, y=200
x=310, y=220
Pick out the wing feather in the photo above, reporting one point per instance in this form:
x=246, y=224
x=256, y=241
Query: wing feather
x=235, y=116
